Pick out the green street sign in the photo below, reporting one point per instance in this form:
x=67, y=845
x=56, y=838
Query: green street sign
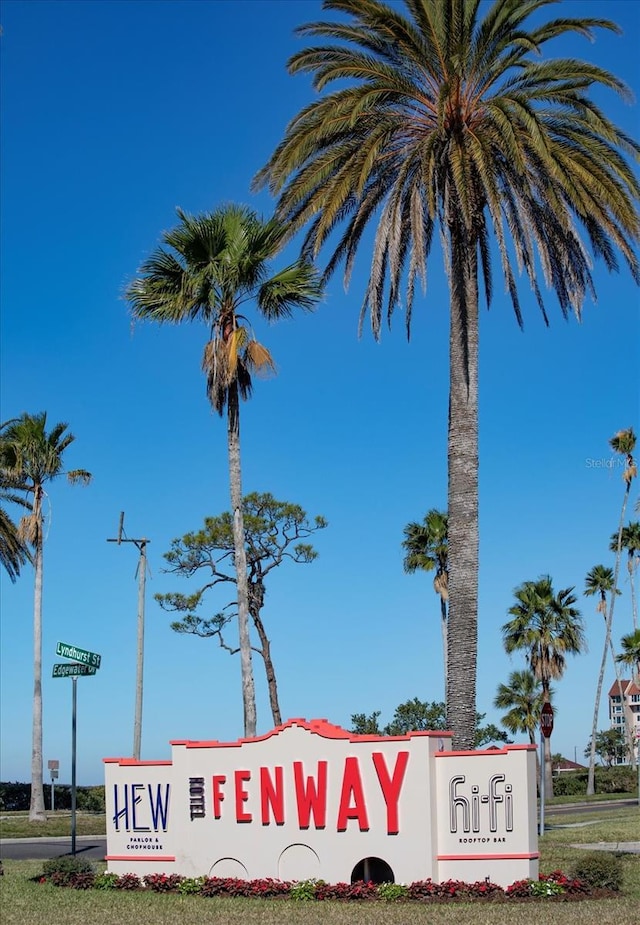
x=71, y=670
x=78, y=655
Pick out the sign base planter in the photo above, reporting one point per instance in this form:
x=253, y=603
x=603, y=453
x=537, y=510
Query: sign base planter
x=310, y=800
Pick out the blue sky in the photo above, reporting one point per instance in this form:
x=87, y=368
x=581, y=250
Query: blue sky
x=114, y=113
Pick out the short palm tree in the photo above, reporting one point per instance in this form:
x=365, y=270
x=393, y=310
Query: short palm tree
x=547, y=627
x=600, y=582
x=209, y=267
x=426, y=549
x=630, y=540
x=438, y=124
x=32, y=457
x=522, y=698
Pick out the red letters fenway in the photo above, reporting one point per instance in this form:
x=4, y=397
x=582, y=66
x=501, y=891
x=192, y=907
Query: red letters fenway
x=312, y=800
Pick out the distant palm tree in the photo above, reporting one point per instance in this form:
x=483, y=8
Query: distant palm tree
x=623, y=443
x=210, y=266
x=440, y=125
x=547, y=627
x=630, y=655
x=33, y=457
x=600, y=581
x=522, y=698
x=630, y=541
x=426, y=549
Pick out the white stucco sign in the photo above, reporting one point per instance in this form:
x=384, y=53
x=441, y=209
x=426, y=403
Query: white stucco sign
x=312, y=800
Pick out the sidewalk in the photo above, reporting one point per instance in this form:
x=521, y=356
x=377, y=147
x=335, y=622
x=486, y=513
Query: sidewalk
x=624, y=847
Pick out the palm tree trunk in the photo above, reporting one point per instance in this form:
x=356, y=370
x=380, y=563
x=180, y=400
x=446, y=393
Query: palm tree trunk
x=462, y=503
x=240, y=560
x=36, y=808
x=548, y=770
x=443, y=625
x=591, y=776
x=632, y=585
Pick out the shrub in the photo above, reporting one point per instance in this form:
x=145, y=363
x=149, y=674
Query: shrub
x=392, y=891
x=90, y=799
x=569, y=784
x=190, y=886
x=304, y=890
x=162, y=883
x=82, y=881
x=619, y=779
x=545, y=888
x=519, y=889
x=128, y=882
x=600, y=870
x=62, y=871
x=268, y=887
x=105, y=881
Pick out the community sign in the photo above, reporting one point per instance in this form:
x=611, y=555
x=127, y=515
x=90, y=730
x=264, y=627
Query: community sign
x=310, y=799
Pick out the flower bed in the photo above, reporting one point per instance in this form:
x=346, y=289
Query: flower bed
x=549, y=886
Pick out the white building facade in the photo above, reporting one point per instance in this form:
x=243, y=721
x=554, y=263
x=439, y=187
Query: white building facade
x=310, y=800
x=625, y=708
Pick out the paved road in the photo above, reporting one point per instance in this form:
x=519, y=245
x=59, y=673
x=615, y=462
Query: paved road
x=93, y=847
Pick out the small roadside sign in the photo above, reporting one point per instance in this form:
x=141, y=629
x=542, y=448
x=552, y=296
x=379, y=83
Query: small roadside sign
x=71, y=670
x=78, y=655
x=53, y=764
x=546, y=720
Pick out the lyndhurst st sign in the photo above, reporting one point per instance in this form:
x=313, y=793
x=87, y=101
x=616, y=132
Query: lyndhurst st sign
x=312, y=800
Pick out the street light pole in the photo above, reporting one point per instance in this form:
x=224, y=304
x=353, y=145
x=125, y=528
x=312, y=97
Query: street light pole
x=141, y=545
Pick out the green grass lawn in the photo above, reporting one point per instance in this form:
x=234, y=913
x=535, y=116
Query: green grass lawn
x=17, y=825
x=24, y=902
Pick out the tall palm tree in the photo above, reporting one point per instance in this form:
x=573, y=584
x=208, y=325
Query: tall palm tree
x=33, y=457
x=522, y=698
x=547, y=627
x=210, y=265
x=447, y=125
x=630, y=540
x=600, y=581
x=426, y=549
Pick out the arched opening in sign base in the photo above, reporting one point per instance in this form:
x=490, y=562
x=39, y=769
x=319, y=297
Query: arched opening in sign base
x=372, y=870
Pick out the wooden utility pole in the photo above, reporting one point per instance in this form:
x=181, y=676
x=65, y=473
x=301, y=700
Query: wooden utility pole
x=141, y=545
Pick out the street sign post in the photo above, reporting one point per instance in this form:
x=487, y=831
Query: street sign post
x=78, y=655
x=84, y=663
x=53, y=766
x=72, y=670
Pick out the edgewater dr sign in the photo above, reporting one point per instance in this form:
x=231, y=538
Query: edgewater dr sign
x=312, y=800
